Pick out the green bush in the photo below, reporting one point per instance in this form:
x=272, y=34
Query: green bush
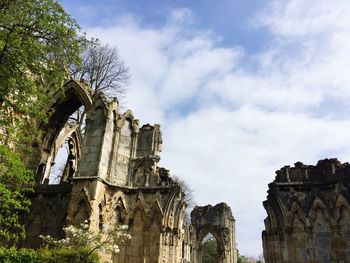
x=16, y=181
x=13, y=255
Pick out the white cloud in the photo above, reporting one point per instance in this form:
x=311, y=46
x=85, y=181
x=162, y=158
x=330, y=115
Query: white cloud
x=311, y=47
x=181, y=15
x=166, y=66
x=298, y=18
x=226, y=128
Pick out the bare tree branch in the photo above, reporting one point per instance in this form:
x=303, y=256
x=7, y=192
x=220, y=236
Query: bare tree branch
x=103, y=69
x=187, y=190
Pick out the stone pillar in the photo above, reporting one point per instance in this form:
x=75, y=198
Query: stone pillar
x=98, y=138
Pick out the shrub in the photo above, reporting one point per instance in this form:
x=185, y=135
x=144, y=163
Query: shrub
x=12, y=255
x=81, y=237
x=45, y=255
x=16, y=182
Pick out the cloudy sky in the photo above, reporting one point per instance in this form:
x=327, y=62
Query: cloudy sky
x=240, y=88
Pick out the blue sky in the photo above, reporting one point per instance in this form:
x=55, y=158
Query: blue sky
x=240, y=88
x=230, y=20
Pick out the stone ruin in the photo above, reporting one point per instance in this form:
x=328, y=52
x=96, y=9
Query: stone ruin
x=218, y=221
x=112, y=176
x=308, y=214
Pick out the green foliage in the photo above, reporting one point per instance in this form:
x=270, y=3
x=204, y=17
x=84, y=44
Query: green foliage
x=244, y=259
x=66, y=255
x=15, y=182
x=82, y=238
x=38, y=42
x=209, y=251
x=13, y=255
x=241, y=259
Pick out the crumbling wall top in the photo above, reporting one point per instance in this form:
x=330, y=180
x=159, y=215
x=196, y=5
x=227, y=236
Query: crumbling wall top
x=324, y=171
x=209, y=218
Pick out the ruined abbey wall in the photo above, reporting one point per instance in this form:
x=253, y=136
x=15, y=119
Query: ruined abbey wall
x=308, y=214
x=112, y=177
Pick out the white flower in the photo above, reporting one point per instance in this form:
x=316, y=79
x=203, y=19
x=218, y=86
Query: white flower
x=123, y=227
x=116, y=248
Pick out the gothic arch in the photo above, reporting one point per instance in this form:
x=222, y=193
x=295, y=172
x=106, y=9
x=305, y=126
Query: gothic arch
x=81, y=90
x=276, y=212
x=296, y=211
x=343, y=221
x=340, y=204
x=73, y=97
x=120, y=200
x=66, y=102
x=271, y=220
x=169, y=207
x=179, y=214
x=70, y=136
x=155, y=215
x=120, y=211
x=82, y=212
x=318, y=205
x=219, y=241
x=218, y=221
x=139, y=207
x=156, y=207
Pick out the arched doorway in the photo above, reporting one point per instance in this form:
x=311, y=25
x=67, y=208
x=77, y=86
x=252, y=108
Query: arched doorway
x=209, y=249
x=216, y=223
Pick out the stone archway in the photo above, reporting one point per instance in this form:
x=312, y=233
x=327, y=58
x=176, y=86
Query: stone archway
x=54, y=199
x=218, y=221
x=203, y=253
x=68, y=101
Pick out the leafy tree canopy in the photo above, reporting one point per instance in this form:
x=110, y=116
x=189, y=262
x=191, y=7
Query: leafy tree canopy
x=38, y=43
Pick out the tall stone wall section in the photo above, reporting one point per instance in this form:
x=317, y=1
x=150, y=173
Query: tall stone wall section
x=308, y=214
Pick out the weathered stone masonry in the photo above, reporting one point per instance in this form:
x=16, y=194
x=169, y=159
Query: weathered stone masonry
x=218, y=221
x=309, y=214
x=112, y=176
